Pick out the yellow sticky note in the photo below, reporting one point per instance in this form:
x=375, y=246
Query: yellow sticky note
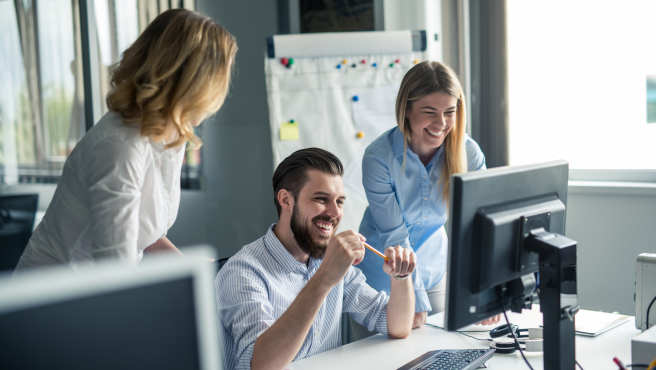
x=289, y=131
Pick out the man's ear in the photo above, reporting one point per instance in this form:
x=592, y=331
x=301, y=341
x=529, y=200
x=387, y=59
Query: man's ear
x=286, y=199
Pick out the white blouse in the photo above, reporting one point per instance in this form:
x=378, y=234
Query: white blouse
x=119, y=193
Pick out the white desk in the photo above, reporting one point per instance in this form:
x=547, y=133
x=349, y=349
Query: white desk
x=380, y=352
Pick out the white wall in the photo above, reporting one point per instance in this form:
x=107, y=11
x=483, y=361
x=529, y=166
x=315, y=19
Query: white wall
x=417, y=15
x=612, y=225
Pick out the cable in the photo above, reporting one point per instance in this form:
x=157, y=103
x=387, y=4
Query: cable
x=639, y=365
x=463, y=332
x=580, y=367
x=648, y=309
x=503, y=309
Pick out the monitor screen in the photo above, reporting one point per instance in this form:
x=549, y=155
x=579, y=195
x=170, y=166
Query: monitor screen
x=153, y=322
x=491, y=214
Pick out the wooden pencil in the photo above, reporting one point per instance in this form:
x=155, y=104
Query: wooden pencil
x=375, y=251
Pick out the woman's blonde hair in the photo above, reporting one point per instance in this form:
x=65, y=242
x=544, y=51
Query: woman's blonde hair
x=424, y=79
x=178, y=70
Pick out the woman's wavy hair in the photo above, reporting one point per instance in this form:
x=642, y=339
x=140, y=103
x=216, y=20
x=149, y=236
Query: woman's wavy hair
x=424, y=79
x=177, y=71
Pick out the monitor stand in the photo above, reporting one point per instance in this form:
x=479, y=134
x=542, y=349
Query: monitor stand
x=558, y=299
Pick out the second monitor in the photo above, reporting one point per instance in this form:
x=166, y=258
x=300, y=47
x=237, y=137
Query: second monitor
x=506, y=225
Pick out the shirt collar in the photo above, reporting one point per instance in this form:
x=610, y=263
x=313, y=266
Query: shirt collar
x=282, y=255
x=436, y=156
x=398, y=146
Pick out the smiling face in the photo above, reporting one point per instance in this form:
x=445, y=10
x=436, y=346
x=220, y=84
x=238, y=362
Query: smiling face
x=431, y=119
x=317, y=211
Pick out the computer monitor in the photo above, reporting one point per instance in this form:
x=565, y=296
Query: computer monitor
x=16, y=222
x=161, y=315
x=506, y=225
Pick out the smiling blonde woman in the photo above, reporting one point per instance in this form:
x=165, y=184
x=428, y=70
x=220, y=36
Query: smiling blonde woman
x=119, y=192
x=405, y=173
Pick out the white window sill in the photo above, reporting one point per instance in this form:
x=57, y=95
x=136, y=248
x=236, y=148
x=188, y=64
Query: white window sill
x=612, y=188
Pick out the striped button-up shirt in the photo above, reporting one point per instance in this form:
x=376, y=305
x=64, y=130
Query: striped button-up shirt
x=259, y=283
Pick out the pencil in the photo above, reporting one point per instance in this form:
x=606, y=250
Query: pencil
x=375, y=251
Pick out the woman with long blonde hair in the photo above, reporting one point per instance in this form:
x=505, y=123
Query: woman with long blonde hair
x=405, y=173
x=120, y=188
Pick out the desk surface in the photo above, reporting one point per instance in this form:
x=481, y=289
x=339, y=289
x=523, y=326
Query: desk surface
x=380, y=352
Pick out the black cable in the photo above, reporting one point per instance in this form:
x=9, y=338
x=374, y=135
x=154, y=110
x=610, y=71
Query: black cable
x=463, y=332
x=580, y=367
x=634, y=365
x=648, y=309
x=513, y=333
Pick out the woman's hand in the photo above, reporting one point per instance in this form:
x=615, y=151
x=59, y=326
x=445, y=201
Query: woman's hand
x=420, y=319
x=491, y=321
x=163, y=245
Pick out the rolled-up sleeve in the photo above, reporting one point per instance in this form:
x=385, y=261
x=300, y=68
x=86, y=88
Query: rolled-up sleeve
x=475, y=157
x=384, y=206
x=244, y=309
x=116, y=175
x=388, y=218
x=365, y=305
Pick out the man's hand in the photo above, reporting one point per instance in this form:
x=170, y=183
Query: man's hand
x=401, y=261
x=344, y=249
x=491, y=321
x=420, y=319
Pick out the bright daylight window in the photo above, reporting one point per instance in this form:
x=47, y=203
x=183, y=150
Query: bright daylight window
x=42, y=95
x=582, y=83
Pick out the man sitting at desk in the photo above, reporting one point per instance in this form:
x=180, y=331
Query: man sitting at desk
x=281, y=297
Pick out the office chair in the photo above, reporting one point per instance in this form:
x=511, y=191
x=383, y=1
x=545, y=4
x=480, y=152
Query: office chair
x=16, y=222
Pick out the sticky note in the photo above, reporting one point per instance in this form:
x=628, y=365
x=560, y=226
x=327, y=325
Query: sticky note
x=289, y=131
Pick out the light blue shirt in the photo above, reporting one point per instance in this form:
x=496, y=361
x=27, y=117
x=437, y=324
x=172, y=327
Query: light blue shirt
x=406, y=208
x=257, y=285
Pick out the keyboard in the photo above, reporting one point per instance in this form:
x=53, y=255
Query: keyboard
x=456, y=359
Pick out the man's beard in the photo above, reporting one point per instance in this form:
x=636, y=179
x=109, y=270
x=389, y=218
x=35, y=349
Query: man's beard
x=314, y=246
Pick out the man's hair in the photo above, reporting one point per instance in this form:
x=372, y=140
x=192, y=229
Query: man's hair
x=291, y=173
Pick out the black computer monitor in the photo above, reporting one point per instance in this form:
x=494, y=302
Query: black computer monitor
x=506, y=225
x=16, y=223
x=161, y=315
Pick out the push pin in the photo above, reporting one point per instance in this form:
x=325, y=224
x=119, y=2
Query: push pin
x=291, y=121
x=355, y=98
x=415, y=61
x=397, y=61
x=391, y=64
x=360, y=135
x=290, y=62
x=339, y=66
x=363, y=61
x=344, y=61
x=375, y=65
x=284, y=61
x=353, y=65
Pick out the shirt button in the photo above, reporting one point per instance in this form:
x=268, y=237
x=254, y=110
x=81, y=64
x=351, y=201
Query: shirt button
x=424, y=176
x=424, y=217
x=166, y=195
x=425, y=198
x=418, y=222
x=316, y=333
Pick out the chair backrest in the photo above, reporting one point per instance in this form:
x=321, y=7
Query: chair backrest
x=16, y=222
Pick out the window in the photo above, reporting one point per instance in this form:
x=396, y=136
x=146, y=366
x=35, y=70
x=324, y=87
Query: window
x=42, y=100
x=578, y=83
